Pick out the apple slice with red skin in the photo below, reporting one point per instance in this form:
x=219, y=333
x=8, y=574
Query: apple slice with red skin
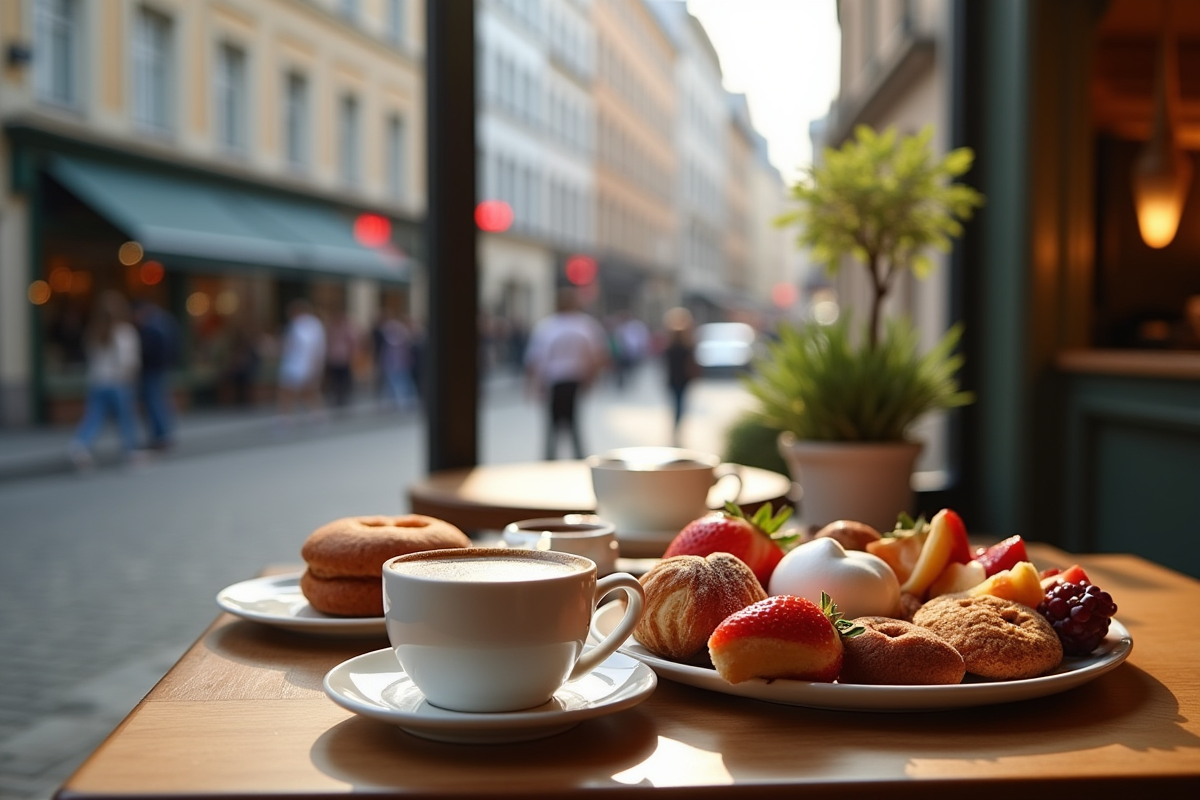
x=1002, y=555
x=947, y=543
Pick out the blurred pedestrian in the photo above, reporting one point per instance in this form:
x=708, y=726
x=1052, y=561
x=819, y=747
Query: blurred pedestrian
x=680, y=357
x=158, y=335
x=302, y=360
x=632, y=340
x=242, y=362
x=112, y=354
x=396, y=351
x=339, y=358
x=566, y=352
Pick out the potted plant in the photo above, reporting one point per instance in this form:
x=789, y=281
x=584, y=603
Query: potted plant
x=846, y=400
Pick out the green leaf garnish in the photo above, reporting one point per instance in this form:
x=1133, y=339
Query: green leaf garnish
x=844, y=627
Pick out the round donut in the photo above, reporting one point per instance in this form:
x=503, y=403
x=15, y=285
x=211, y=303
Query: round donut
x=998, y=639
x=343, y=597
x=358, y=546
x=345, y=558
x=892, y=651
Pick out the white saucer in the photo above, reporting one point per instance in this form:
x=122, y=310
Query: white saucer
x=375, y=686
x=1070, y=673
x=277, y=600
x=644, y=544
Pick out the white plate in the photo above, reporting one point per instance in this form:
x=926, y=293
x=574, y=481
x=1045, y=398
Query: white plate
x=277, y=600
x=1070, y=673
x=375, y=686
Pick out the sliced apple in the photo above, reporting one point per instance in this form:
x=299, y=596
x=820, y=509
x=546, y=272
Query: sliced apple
x=958, y=578
x=900, y=552
x=1002, y=555
x=1021, y=583
x=947, y=540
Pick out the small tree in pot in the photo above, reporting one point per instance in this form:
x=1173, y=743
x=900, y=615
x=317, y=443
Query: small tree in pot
x=883, y=200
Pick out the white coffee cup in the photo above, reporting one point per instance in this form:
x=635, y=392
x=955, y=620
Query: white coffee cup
x=655, y=489
x=584, y=535
x=487, y=629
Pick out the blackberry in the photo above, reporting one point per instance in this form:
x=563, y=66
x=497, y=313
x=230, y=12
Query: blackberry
x=1079, y=614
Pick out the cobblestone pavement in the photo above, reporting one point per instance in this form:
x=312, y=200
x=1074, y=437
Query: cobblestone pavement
x=106, y=579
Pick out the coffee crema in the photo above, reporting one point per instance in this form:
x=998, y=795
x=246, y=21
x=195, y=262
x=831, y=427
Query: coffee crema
x=487, y=569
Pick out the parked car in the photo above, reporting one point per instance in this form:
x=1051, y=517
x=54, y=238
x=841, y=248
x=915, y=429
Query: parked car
x=724, y=348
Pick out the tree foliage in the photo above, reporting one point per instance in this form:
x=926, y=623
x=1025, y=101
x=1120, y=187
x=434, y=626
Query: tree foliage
x=885, y=200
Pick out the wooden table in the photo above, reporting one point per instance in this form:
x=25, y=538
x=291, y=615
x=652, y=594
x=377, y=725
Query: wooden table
x=490, y=497
x=243, y=714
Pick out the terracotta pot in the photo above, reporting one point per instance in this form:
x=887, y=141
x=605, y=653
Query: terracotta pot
x=868, y=482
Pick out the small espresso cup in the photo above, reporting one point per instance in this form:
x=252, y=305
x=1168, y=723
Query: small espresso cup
x=652, y=489
x=584, y=535
x=487, y=629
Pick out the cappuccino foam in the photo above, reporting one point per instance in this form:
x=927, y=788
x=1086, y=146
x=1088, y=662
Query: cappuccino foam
x=491, y=570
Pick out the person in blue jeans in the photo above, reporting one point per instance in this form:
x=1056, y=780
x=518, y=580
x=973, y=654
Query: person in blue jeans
x=113, y=356
x=159, y=338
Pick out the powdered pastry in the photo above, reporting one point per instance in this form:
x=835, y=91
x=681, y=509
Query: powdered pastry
x=687, y=597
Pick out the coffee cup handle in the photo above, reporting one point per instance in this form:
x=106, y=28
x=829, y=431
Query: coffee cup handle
x=633, y=613
x=729, y=471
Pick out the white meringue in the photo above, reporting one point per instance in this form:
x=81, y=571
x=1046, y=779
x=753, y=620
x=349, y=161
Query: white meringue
x=861, y=584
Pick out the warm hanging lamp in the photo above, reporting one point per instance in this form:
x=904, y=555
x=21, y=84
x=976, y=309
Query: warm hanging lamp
x=1162, y=173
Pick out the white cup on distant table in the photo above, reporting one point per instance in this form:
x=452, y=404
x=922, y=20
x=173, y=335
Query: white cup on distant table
x=656, y=489
x=584, y=535
x=487, y=629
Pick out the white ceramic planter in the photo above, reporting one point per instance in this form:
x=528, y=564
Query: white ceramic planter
x=867, y=482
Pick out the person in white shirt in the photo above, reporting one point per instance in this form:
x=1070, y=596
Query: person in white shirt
x=566, y=352
x=113, y=354
x=302, y=360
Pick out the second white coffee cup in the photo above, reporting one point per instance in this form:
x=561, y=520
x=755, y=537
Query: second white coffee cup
x=491, y=630
x=652, y=489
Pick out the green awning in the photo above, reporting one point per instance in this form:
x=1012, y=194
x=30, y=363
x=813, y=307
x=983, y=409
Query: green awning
x=191, y=222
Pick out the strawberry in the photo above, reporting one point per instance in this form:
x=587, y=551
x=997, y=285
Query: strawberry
x=783, y=636
x=1003, y=555
x=1072, y=574
x=729, y=531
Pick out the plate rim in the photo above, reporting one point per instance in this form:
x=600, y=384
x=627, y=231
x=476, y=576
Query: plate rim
x=468, y=722
x=283, y=620
x=922, y=698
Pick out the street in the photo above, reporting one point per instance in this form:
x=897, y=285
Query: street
x=107, y=578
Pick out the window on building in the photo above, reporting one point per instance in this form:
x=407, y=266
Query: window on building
x=350, y=9
x=397, y=146
x=295, y=120
x=348, y=139
x=397, y=21
x=232, y=105
x=153, y=70
x=56, y=51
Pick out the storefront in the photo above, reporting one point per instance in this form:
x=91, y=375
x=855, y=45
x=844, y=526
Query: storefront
x=223, y=257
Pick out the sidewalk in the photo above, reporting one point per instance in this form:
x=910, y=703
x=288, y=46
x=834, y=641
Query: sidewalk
x=40, y=451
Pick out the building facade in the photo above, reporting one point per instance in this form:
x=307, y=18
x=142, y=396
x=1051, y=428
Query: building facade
x=216, y=158
x=635, y=161
x=774, y=273
x=738, y=225
x=535, y=134
x=701, y=141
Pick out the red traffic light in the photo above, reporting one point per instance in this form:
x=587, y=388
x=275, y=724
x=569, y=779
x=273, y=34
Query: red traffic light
x=493, y=216
x=372, y=230
x=581, y=270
